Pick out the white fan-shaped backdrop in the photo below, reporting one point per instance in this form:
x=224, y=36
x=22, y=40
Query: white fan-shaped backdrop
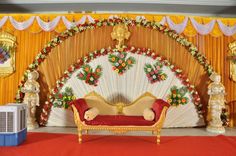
x=126, y=88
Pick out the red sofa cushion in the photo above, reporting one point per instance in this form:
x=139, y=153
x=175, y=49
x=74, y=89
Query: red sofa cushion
x=158, y=106
x=119, y=120
x=81, y=106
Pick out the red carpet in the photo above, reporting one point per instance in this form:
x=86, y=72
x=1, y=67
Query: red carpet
x=47, y=144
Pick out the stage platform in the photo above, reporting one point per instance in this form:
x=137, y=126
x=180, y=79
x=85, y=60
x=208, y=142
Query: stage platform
x=164, y=132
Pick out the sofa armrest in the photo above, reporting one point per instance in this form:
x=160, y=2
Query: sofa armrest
x=158, y=106
x=81, y=106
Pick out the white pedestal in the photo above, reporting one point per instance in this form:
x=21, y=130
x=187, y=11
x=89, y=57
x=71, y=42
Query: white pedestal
x=219, y=130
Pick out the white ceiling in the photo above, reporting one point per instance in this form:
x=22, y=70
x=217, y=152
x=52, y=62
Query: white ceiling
x=226, y=8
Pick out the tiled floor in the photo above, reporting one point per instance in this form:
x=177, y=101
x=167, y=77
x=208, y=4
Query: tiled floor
x=165, y=132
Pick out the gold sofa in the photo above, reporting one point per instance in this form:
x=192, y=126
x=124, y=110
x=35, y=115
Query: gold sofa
x=119, y=113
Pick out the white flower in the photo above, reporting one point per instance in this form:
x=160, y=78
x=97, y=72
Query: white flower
x=102, y=50
x=91, y=79
x=149, y=69
x=154, y=77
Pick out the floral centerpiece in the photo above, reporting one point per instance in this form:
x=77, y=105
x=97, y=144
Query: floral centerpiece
x=89, y=76
x=155, y=73
x=120, y=63
x=63, y=99
x=177, y=96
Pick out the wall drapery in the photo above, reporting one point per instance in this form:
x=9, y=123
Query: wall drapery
x=190, y=26
x=29, y=44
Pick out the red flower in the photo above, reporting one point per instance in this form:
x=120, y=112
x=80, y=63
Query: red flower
x=70, y=69
x=55, y=90
x=39, y=60
x=155, y=56
x=21, y=95
x=81, y=75
x=48, y=49
x=174, y=91
x=61, y=38
x=60, y=96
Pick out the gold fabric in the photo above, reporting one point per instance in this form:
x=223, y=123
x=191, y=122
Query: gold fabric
x=29, y=44
x=138, y=106
x=99, y=102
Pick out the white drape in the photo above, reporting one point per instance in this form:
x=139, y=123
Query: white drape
x=227, y=31
x=21, y=25
x=48, y=26
x=69, y=24
x=3, y=21
x=203, y=29
x=179, y=28
x=163, y=21
x=126, y=88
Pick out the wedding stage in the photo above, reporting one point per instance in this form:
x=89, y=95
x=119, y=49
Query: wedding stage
x=117, y=84
x=49, y=141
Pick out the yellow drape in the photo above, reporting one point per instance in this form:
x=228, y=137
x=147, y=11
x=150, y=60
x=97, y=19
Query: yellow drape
x=32, y=40
x=28, y=45
x=189, y=30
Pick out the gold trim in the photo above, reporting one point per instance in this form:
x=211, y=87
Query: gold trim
x=232, y=65
x=93, y=93
x=120, y=129
x=119, y=106
x=140, y=97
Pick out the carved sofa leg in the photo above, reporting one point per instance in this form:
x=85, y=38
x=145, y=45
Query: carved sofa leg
x=80, y=134
x=158, y=136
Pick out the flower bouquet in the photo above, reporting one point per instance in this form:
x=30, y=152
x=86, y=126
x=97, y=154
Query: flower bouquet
x=89, y=76
x=120, y=63
x=177, y=96
x=155, y=73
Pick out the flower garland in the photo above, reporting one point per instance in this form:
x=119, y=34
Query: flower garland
x=120, y=63
x=99, y=23
x=4, y=53
x=177, y=96
x=63, y=99
x=89, y=76
x=154, y=73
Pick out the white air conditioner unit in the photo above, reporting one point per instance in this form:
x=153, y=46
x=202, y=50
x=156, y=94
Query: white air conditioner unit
x=13, y=124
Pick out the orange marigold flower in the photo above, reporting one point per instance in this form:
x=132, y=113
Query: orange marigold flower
x=129, y=62
x=86, y=69
x=113, y=59
x=98, y=70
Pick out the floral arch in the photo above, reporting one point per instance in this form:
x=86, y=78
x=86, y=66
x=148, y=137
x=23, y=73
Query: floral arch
x=148, y=25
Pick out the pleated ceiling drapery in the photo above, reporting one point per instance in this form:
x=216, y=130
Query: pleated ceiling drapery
x=188, y=25
x=33, y=39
